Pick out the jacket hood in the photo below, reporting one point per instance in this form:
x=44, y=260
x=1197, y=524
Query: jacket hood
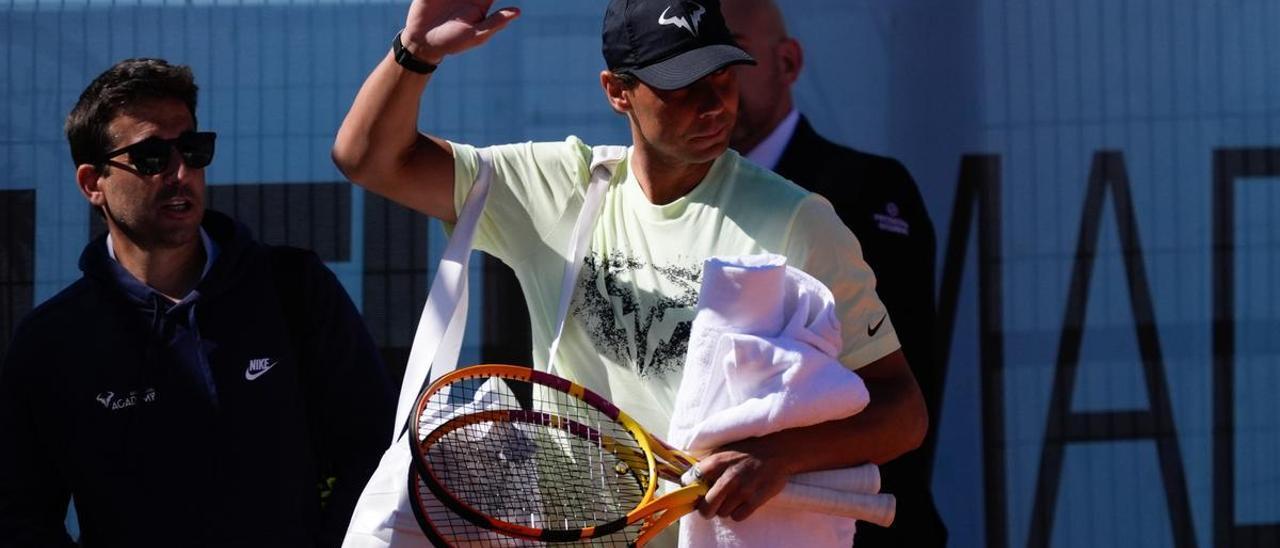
x=234, y=241
x=172, y=331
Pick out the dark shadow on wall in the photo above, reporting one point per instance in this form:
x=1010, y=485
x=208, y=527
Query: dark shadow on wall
x=17, y=259
x=395, y=278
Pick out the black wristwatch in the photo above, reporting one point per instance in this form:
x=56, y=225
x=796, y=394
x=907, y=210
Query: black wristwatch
x=407, y=60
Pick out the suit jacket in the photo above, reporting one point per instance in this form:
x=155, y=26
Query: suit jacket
x=878, y=200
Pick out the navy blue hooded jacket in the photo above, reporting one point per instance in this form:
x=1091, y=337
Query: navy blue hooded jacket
x=212, y=422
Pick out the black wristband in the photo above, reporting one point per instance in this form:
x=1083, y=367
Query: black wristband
x=407, y=60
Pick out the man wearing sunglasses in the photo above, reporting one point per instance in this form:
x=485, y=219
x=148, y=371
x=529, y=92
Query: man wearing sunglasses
x=194, y=387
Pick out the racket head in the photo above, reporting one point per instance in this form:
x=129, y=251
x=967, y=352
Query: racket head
x=564, y=464
x=444, y=528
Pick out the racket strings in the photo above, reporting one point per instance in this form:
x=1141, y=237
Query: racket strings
x=446, y=528
x=553, y=462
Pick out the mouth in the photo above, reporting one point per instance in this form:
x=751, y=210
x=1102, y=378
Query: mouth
x=177, y=205
x=713, y=132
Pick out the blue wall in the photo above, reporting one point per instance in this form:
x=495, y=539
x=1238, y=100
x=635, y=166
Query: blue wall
x=1162, y=88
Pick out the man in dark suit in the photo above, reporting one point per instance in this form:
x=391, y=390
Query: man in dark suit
x=878, y=200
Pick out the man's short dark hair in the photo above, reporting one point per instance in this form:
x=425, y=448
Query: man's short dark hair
x=627, y=80
x=128, y=83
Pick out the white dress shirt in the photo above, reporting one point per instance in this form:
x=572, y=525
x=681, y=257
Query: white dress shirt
x=769, y=151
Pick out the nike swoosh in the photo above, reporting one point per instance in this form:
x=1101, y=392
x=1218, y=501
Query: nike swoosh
x=251, y=375
x=871, y=330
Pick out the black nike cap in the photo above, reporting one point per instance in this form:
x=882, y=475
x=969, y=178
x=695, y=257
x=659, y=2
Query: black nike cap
x=668, y=44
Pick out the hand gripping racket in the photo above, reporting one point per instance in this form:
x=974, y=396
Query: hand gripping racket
x=562, y=464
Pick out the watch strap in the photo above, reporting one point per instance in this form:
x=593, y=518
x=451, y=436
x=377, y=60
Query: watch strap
x=406, y=59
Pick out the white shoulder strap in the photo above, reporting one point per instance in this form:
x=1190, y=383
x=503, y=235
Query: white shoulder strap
x=604, y=160
x=438, y=339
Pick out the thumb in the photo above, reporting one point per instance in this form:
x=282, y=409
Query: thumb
x=495, y=22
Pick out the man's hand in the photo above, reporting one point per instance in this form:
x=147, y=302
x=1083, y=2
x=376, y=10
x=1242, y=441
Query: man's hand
x=435, y=28
x=747, y=473
x=744, y=476
x=378, y=145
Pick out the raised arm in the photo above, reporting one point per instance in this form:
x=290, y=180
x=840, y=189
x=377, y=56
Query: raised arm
x=378, y=146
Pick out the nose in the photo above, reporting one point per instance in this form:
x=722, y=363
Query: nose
x=716, y=92
x=176, y=170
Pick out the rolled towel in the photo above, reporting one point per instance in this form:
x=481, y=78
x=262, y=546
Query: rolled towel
x=762, y=358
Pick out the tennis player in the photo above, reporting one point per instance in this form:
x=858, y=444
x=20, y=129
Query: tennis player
x=680, y=196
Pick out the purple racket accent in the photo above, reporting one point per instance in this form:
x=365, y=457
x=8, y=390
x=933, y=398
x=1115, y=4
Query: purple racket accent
x=547, y=419
x=564, y=385
x=600, y=403
x=553, y=381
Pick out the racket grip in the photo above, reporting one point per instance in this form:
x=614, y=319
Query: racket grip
x=858, y=479
x=870, y=507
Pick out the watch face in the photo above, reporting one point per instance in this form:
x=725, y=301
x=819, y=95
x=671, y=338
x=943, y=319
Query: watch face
x=398, y=47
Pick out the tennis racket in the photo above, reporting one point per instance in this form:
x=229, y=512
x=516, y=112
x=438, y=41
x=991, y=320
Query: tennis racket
x=561, y=464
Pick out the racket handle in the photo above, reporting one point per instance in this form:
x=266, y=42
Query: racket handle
x=858, y=479
x=875, y=508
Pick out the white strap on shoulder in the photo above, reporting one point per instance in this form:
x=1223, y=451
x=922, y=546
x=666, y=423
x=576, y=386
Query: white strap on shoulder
x=438, y=340
x=604, y=160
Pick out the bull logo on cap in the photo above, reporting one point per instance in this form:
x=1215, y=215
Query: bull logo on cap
x=689, y=18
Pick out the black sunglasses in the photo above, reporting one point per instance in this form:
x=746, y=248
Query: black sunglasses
x=154, y=155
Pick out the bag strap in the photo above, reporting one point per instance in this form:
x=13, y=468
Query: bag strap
x=444, y=316
x=604, y=161
x=438, y=339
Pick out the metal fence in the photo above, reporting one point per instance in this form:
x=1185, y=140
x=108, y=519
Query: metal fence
x=1113, y=361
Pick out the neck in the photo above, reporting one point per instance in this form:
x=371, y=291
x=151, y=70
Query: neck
x=663, y=178
x=172, y=271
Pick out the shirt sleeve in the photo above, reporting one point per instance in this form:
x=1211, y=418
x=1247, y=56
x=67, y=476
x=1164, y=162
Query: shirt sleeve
x=533, y=185
x=353, y=406
x=828, y=251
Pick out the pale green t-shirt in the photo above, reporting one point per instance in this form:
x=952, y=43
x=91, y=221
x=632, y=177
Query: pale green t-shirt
x=634, y=300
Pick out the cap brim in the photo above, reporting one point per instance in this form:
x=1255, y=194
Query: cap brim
x=688, y=67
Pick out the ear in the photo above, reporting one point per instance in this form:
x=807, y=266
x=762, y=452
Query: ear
x=89, y=179
x=790, y=59
x=615, y=92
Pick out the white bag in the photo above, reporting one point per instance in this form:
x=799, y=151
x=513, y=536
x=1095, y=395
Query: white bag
x=383, y=515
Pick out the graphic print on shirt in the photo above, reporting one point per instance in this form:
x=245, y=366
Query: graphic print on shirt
x=115, y=402
x=647, y=332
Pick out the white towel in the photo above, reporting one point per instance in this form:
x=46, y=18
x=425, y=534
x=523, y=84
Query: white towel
x=762, y=358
